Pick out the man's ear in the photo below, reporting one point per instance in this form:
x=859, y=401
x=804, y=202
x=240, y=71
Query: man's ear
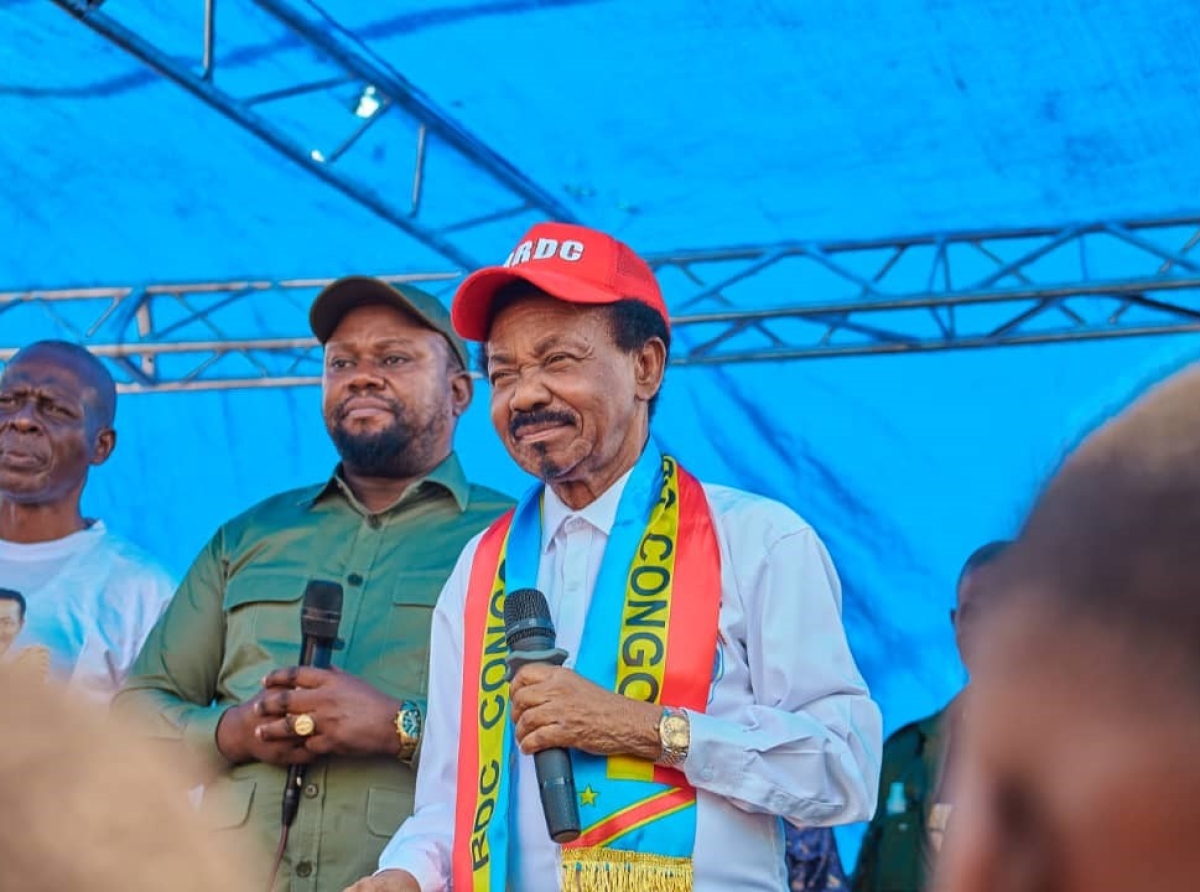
x=106, y=442
x=650, y=364
x=462, y=389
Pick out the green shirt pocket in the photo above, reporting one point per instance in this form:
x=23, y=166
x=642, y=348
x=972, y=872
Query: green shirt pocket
x=386, y=810
x=226, y=803
x=262, y=623
x=403, y=653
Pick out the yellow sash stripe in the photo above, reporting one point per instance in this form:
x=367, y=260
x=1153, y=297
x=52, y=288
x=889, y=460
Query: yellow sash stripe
x=642, y=658
x=493, y=725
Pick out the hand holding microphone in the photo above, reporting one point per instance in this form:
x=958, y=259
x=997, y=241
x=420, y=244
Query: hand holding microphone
x=530, y=636
x=555, y=709
x=263, y=728
x=319, y=621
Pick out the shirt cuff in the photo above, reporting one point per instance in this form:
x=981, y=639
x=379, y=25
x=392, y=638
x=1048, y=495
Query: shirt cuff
x=708, y=759
x=423, y=870
x=200, y=735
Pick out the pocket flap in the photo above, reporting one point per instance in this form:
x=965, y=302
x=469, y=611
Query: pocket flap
x=249, y=587
x=419, y=588
x=226, y=804
x=386, y=810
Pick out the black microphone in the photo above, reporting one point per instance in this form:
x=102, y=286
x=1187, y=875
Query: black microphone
x=530, y=635
x=319, y=620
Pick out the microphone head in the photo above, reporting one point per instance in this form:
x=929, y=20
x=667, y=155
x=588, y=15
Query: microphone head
x=526, y=616
x=322, y=611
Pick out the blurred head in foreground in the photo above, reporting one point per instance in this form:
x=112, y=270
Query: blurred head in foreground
x=85, y=807
x=1081, y=770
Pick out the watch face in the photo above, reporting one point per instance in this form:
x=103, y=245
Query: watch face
x=410, y=723
x=676, y=731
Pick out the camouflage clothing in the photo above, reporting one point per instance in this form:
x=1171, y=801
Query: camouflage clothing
x=812, y=859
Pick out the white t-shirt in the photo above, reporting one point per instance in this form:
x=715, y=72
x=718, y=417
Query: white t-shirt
x=91, y=599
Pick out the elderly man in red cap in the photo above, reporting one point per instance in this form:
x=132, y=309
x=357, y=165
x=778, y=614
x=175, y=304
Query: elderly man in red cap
x=701, y=689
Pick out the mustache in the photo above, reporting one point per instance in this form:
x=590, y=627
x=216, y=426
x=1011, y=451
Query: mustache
x=395, y=405
x=14, y=440
x=541, y=416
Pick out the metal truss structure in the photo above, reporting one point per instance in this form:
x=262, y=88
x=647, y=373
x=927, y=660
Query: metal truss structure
x=333, y=110
x=804, y=300
x=340, y=114
x=787, y=301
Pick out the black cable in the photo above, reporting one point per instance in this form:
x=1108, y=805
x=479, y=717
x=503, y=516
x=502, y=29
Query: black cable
x=283, y=838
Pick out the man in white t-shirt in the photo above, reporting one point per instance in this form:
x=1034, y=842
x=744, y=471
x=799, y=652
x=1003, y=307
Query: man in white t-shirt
x=89, y=599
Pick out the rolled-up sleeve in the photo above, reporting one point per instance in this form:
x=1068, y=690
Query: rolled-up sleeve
x=806, y=746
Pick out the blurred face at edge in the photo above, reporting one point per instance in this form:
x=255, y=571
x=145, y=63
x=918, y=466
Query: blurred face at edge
x=965, y=618
x=1078, y=774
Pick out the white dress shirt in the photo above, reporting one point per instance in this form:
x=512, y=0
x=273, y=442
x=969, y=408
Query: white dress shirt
x=790, y=730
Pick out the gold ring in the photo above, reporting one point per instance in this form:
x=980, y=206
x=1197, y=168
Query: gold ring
x=303, y=725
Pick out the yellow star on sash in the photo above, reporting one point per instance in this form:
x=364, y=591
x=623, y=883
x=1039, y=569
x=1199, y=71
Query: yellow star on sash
x=588, y=796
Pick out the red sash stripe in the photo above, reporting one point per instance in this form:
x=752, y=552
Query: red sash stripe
x=630, y=818
x=692, y=633
x=479, y=589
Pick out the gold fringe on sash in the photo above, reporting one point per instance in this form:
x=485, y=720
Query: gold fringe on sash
x=612, y=870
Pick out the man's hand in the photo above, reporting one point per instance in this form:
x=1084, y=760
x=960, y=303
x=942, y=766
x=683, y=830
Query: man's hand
x=387, y=881
x=553, y=706
x=351, y=718
x=239, y=741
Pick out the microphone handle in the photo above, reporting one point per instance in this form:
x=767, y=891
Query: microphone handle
x=556, y=785
x=316, y=652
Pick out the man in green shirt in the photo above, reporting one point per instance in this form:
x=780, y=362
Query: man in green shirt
x=914, y=803
x=217, y=677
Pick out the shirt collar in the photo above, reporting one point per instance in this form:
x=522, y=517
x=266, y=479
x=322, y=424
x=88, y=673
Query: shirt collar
x=601, y=514
x=448, y=476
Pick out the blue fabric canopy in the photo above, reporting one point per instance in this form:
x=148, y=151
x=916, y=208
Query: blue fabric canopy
x=682, y=123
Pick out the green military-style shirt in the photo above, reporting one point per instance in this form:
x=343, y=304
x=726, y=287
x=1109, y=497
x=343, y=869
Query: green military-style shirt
x=236, y=617
x=895, y=854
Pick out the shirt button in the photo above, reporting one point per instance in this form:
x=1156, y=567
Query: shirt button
x=304, y=868
x=311, y=790
x=354, y=579
x=707, y=773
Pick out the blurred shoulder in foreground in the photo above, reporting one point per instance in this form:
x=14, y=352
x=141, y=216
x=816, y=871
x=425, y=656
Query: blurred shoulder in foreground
x=86, y=806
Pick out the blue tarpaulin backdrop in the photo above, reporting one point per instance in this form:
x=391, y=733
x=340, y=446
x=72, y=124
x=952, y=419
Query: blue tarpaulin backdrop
x=682, y=123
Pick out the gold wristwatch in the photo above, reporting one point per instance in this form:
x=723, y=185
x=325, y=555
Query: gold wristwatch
x=408, y=729
x=675, y=736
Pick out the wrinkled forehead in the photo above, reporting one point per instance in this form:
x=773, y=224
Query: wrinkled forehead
x=45, y=369
x=50, y=373
x=531, y=322
x=39, y=375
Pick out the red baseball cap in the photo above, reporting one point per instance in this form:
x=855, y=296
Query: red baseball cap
x=572, y=263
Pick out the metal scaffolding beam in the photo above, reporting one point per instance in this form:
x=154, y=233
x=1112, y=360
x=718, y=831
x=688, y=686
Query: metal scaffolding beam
x=985, y=288
x=332, y=114
x=187, y=336
x=785, y=301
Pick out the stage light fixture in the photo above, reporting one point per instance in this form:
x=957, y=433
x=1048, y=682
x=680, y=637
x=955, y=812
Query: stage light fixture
x=368, y=102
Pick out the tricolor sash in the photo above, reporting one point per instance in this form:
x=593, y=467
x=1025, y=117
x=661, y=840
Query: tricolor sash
x=651, y=635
